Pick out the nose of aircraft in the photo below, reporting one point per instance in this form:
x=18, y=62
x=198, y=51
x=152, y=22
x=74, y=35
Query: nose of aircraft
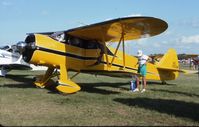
x=27, y=47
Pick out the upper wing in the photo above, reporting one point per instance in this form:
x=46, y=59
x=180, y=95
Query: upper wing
x=111, y=31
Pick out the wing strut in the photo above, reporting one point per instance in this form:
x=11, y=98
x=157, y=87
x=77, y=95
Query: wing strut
x=123, y=47
x=104, y=45
x=116, y=51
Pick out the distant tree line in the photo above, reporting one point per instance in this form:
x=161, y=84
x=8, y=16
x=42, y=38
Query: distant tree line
x=180, y=56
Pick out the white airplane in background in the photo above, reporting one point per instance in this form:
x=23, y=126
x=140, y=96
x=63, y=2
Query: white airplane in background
x=11, y=59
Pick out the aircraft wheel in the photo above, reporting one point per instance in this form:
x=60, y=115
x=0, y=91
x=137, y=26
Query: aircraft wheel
x=164, y=83
x=34, y=79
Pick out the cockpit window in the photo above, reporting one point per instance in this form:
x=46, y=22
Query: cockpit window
x=58, y=36
x=78, y=42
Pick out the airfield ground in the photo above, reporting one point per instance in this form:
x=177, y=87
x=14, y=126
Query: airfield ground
x=102, y=101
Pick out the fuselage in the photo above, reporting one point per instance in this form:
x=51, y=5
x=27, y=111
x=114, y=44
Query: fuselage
x=84, y=56
x=7, y=57
x=10, y=59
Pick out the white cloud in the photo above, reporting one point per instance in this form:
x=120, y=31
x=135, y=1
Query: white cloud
x=167, y=33
x=189, y=39
x=194, y=23
x=157, y=45
x=141, y=40
x=165, y=42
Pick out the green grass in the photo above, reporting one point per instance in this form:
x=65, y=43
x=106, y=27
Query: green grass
x=101, y=101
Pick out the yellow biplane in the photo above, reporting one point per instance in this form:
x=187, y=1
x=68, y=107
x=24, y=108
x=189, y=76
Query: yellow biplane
x=84, y=50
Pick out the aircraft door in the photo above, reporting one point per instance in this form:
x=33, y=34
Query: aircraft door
x=92, y=53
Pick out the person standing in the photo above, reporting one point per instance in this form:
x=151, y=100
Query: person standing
x=142, y=61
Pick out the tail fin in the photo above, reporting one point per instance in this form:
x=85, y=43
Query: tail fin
x=169, y=60
x=169, y=66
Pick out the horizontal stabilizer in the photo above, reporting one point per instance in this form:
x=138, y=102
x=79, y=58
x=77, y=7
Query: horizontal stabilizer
x=173, y=69
x=169, y=68
x=190, y=71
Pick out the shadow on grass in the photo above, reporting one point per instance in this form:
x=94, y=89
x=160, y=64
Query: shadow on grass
x=171, y=107
x=19, y=78
x=95, y=87
x=26, y=81
x=175, y=92
x=22, y=81
x=19, y=85
x=158, y=83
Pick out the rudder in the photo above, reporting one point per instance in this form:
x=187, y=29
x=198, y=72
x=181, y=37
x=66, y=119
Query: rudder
x=168, y=66
x=169, y=60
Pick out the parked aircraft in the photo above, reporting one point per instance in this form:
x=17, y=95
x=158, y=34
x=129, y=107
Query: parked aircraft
x=196, y=64
x=84, y=50
x=11, y=59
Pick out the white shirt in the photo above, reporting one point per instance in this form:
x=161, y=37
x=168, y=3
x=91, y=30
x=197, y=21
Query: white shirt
x=142, y=59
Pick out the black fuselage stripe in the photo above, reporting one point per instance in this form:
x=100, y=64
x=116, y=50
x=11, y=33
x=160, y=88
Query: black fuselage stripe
x=67, y=54
x=78, y=57
x=117, y=65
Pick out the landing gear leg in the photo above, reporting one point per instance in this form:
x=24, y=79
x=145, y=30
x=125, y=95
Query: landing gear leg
x=41, y=81
x=65, y=84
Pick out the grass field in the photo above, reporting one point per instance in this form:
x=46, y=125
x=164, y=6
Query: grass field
x=102, y=101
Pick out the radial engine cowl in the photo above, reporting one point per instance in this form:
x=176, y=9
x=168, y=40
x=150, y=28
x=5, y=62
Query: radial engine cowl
x=21, y=46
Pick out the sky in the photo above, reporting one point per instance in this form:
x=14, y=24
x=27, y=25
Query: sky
x=18, y=17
